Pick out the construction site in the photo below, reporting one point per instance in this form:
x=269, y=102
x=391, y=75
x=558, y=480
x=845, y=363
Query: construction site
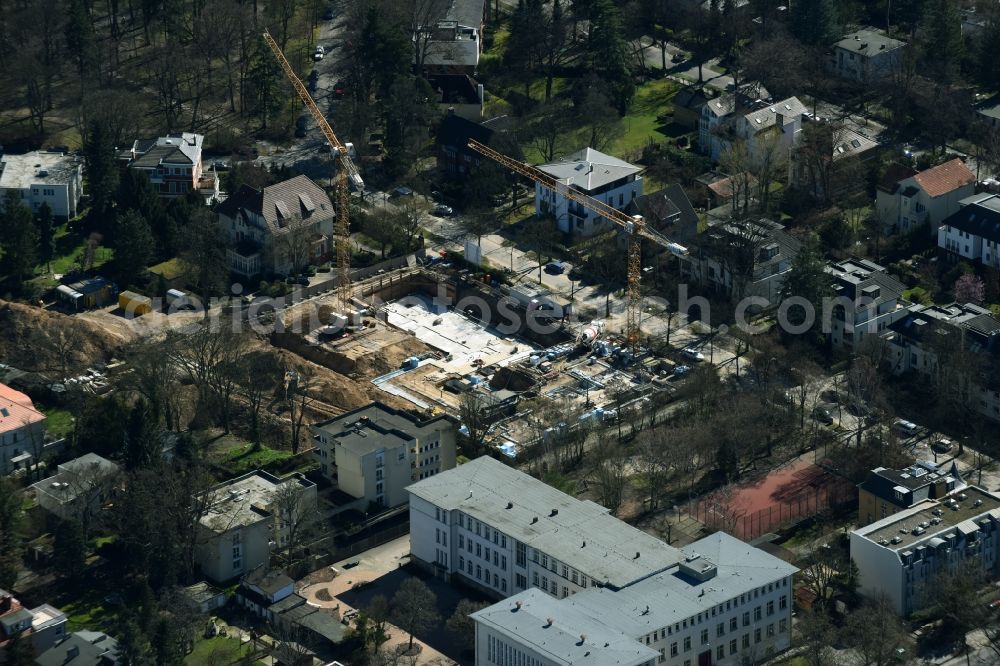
x=437, y=339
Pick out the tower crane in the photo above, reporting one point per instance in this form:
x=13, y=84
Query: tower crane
x=345, y=170
x=632, y=224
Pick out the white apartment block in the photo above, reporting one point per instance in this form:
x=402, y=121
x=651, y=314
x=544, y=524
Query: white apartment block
x=375, y=452
x=899, y=555
x=867, y=301
x=42, y=177
x=973, y=232
x=587, y=588
x=240, y=523
x=608, y=179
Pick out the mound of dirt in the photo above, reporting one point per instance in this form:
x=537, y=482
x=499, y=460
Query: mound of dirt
x=40, y=340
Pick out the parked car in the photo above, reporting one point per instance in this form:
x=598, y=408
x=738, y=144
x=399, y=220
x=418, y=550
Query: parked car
x=402, y=191
x=317, y=56
x=692, y=355
x=442, y=210
x=321, y=49
x=339, y=89
x=943, y=445
x=681, y=370
x=555, y=268
x=823, y=414
x=905, y=428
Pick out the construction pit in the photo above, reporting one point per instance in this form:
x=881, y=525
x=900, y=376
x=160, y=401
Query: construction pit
x=418, y=349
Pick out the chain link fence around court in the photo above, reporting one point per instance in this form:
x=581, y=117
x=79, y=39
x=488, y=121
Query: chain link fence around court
x=722, y=511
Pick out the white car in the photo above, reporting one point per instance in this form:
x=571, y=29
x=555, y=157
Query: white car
x=320, y=49
x=317, y=56
x=906, y=428
x=693, y=355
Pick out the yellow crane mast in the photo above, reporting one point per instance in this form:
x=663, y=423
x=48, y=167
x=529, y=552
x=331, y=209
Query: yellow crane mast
x=345, y=170
x=633, y=224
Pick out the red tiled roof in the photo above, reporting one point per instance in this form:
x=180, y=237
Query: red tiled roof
x=16, y=410
x=945, y=178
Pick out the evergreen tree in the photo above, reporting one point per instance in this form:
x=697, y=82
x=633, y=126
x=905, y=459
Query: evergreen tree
x=20, y=240
x=11, y=535
x=815, y=21
x=988, y=48
x=168, y=643
x=134, y=246
x=69, y=551
x=265, y=80
x=141, y=437
x=943, y=46
x=133, y=646
x=46, y=236
x=608, y=54
x=102, y=171
x=81, y=40
x=807, y=280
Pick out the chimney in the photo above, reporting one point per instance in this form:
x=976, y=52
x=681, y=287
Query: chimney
x=534, y=520
x=510, y=505
x=555, y=512
x=517, y=605
x=583, y=545
x=548, y=622
x=636, y=555
x=583, y=639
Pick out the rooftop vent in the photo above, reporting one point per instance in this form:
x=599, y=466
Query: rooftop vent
x=963, y=496
x=548, y=622
x=636, y=555
x=554, y=512
x=517, y=605
x=583, y=545
x=917, y=531
x=583, y=639
x=897, y=539
x=977, y=502
x=510, y=505
x=646, y=612
x=534, y=520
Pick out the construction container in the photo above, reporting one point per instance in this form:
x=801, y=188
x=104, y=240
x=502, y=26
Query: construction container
x=134, y=305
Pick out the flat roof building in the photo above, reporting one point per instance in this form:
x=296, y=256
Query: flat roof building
x=887, y=491
x=43, y=177
x=898, y=555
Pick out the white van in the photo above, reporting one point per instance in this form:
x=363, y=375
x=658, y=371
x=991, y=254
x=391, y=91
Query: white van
x=905, y=428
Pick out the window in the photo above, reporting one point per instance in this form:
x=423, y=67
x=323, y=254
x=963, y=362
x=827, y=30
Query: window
x=565, y=592
x=663, y=657
x=503, y=584
x=704, y=636
x=770, y=630
x=461, y=562
x=673, y=649
x=746, y=619
x=583, y=582
x=756, y=614
x=687, y=643
x=756, y=635
x=573, y=577
x=479, y=550
x=732, y=624
x=770, y=608
x=437, y=536
x=521, y=555
x=461, y=542
x=720, y=629
x=503, y=562
x=783, y=626
x=487, y=558
x=783, y=602
x=720, y=651
x=565, y=571
x=545, y=561
x=545, y=584
x=520, y=581
x=746, y=641
x=534, y=579
x=479, y=572
x=732, y=647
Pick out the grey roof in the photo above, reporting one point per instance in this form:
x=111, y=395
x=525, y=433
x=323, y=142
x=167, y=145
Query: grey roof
x=574, y=637
x=82, y=648
x=765, y=116
x=578, y=532
x=23, y=171
x=868, y=42
x=603, y=626
x=918, y=480
x=979, y=215
x=991, y=109
x=669, y=210
x=938, y=516
x=589, y=169
x=76, y=476
x=767, y=232
x=269, y=582
x=244, y=500
x=297, y=198
x=181, y=148
x=378, y=426
x=466, y=12
x=317, y=621
x=854, y=275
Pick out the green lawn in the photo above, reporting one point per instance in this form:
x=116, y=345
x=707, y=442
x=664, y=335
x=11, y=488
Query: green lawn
x=218, y=650
x=68, y=246
x=242, y=459
x=88, y=610
x=635, y=130
x=58, y=421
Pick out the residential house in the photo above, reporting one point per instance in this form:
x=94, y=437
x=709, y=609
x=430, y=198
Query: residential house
x=989, y=113
x=173, y=163
x=458, y=93
x=43, y=177
x=850, y=149
x=373, y=453
x=575, y=578
x=972, y=232
x=88, y=293
x=740, y=116
x=270, y=596
x=668, y=211
x=79, y=488
x=240, y=523
x=733, y=192
x=454, y=157
x=917, y=342
x=887, y=192
x=82, y=648
x=608, y=179
x=204, y=597
x=888, y=491
x=898, y=556
x=925, y=198
x=866, y=301
x=278, y=229
x=687, y=105
x=742, y=259
x=43, y=626
x=449, y=38
x=866, y=56
x=22, y=431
